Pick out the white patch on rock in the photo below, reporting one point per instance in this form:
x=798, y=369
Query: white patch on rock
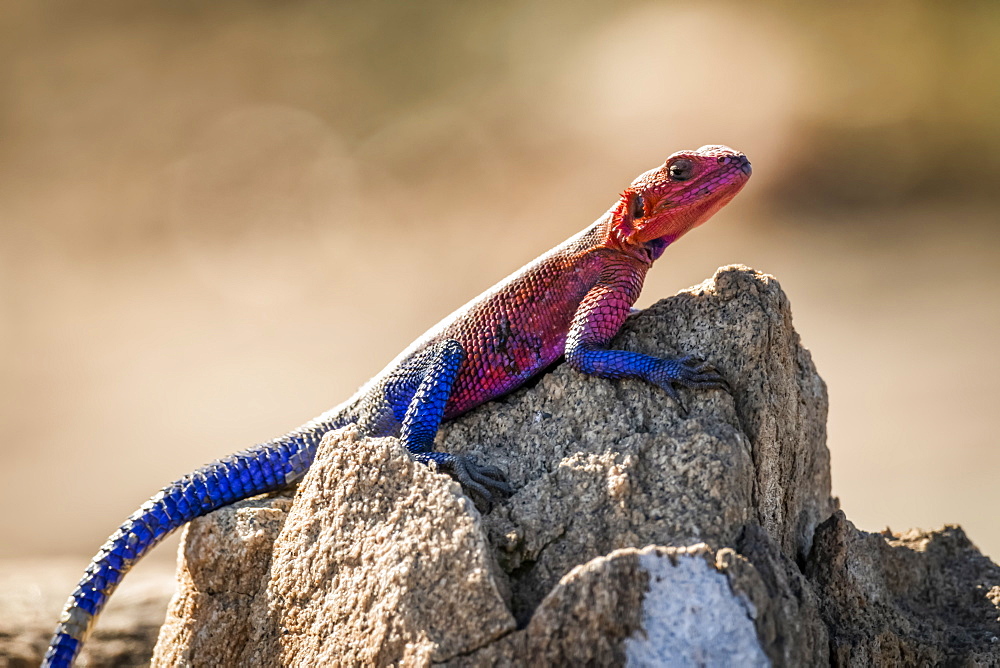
x=690, y=617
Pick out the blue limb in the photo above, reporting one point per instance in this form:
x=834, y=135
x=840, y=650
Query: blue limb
x=426, y=407
x=423, y=418
x=665, y=372
x=600, y=315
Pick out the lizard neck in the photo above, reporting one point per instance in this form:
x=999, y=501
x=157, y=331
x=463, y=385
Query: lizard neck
x=645, y=252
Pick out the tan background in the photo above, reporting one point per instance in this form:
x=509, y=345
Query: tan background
x=218, y=219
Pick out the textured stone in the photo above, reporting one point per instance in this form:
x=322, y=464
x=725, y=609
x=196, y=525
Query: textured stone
x=789, y=626
x=692, y=615
x=643, y=607
x=207, y=618
x=379, y=560
x=916, y=598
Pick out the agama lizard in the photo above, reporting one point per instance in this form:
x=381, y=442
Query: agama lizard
x=570, y=301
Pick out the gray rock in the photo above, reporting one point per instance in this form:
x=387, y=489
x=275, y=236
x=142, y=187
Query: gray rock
x=918, y=598
x=787, y=619
x=640, y=607
x=691, y=614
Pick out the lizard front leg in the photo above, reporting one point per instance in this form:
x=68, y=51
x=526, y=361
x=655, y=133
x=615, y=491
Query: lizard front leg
x=601, y=314
x=423, y=418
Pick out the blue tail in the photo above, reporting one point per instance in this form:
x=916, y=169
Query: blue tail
x=262, y=468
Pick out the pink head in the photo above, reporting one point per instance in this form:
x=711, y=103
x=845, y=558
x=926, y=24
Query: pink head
x=684, y=192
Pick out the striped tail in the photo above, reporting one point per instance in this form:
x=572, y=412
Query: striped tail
x=262, y=468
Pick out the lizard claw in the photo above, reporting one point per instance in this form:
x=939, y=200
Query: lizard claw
x=675, y=395
x=486, y=483
x=689, y=372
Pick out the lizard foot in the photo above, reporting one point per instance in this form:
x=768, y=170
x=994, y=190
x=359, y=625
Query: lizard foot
x=690, y=372
x=486, y=484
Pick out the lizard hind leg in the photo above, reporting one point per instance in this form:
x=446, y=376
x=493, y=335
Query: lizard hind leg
x=423, y=417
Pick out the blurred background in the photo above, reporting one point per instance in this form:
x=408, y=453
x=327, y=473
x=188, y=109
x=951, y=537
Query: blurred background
x=218, y=219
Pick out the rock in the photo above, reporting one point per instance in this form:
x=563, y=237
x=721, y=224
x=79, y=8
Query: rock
x=634, y=534
x=387, y=564
x=787, y=619
x=916, y=598
x=636, y=606
x=208, y=615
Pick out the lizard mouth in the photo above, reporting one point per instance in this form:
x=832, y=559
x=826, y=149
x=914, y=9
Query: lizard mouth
x=739, y=161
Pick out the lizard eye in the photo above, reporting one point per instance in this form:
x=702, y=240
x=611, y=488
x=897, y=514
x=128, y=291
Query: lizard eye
x=638, y=207
x=681, y=169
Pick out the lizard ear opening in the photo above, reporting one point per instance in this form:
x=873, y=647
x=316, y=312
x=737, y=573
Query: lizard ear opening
x=631, y=207
x=638, y=206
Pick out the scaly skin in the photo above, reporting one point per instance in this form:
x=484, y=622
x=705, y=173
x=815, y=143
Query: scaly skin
x=570, y=301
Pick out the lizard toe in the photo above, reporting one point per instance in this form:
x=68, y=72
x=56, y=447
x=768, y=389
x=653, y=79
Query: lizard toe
x=485, y=483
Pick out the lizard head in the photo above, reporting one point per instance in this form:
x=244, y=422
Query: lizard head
x=682, y=193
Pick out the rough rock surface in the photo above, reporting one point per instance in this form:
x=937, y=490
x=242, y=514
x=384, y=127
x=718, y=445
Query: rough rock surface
x=920, y=598
x=309, y=600
x=634, y=534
